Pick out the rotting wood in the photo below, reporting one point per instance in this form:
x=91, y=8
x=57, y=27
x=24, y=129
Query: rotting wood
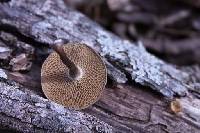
x=126, y=108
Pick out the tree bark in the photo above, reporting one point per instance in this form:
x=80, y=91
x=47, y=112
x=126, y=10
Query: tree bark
x=126, y=107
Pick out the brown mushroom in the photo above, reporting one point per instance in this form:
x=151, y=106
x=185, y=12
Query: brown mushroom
x=175, y=106
x=73, y=76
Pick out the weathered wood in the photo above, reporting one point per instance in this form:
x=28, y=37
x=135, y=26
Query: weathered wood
x=126, y=108
x=26, y=112
x=47, y=20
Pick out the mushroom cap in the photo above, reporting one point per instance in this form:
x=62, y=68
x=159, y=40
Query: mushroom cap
x=80, y=93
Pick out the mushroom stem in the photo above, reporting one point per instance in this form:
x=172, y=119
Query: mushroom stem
x=74, y=71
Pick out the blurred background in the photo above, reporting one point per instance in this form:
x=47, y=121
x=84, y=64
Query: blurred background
x=170, y=29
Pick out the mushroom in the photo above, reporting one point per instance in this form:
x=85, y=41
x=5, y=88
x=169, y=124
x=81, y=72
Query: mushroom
x=74, y=75
x=175, y=106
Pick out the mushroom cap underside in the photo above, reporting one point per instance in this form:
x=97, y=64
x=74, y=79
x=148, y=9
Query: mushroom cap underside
x=77, y=94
